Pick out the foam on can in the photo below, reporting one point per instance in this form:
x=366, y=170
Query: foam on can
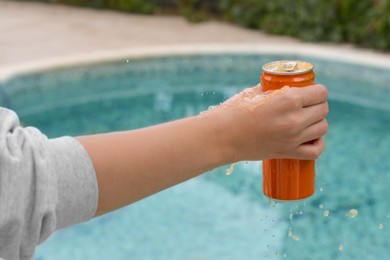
x=288, y=179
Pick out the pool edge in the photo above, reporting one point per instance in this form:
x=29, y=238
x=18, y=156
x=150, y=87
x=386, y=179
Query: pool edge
x=351, y=55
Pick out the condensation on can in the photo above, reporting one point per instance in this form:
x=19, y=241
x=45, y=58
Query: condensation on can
x=288, y=179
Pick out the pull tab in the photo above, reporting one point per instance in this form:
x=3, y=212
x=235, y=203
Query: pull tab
x=289, y=66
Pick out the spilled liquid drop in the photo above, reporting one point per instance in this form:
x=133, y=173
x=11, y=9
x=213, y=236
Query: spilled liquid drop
x=326, y=213
x=251, y=98
x=272, y=203
x=353, y=213
x=230, y=170
x=293, y=237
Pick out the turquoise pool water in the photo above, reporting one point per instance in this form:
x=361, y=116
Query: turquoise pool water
x=217, y=216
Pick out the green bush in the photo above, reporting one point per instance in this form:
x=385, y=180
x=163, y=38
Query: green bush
x=364, y=23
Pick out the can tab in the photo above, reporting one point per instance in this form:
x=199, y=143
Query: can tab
x=289, y=66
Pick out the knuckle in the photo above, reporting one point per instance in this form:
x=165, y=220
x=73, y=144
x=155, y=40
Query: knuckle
x=292, y=98
x=314, y=154
x=324, y=127
x=326, y=109
x=290, y=124
x=315, y=150
x=295, y=121
x=323, y=91
x=318, y=150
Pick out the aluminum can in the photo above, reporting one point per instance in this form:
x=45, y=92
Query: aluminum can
x=288, y=179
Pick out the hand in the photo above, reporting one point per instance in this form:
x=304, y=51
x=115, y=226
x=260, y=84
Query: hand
x=286, y=123
x=252, y=125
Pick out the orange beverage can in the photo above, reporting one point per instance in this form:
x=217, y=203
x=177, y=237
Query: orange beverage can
x=288, y=179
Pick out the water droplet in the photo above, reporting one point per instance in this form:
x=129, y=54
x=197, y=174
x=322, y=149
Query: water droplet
x=212, y=107
x=230, y=170
x=341, y=248
x=272, y=203
x=381, y=226
x=326, y=213
x=294, y=237
x=321, y=189
x=353, y=213
x=321, y=206
x=127, y=61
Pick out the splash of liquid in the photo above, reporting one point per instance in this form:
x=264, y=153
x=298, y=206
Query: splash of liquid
x=267, y=95
x=250, y=99
x=353, y=213
x=230, y=170
x=293, y=237
x=272, y=203
x=326, y=213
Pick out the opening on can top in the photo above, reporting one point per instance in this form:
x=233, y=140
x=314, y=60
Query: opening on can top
x=287, y=67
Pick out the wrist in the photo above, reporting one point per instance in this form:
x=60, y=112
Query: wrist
x=219, y=126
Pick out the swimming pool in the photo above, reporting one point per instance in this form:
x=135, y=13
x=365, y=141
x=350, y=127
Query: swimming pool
x=216, y=216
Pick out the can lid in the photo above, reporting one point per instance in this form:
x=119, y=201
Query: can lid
x=287, y=67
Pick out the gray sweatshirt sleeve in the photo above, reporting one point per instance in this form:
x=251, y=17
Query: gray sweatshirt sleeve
x=45, y=185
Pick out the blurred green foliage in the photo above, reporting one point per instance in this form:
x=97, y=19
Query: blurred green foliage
x=364, y=23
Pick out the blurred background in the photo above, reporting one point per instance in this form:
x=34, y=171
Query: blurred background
x=72, y=67
x=364, y=23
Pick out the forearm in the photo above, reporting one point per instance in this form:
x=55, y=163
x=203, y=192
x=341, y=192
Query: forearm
x=249, y=126
x=135, y=164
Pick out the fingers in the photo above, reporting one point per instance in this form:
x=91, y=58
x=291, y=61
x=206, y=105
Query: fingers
x=314, y=114
x=313, y=95
x=309, y=151
x=314, y=131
